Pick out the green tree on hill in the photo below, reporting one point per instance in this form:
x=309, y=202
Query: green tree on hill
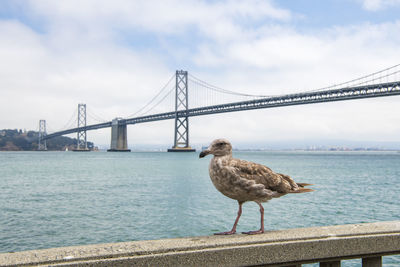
x=18, y=140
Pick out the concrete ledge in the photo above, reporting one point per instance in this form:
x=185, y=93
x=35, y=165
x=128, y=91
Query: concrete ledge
x=292, y=246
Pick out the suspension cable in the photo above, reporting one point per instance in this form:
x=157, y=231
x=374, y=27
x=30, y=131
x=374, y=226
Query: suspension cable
x=360, y=78
x=219, y=89
x=211, y=87
x=162, y=99
x=202, y=83
x=95, y=116
x=49, y=129
x=71, y=120
x=159, y=93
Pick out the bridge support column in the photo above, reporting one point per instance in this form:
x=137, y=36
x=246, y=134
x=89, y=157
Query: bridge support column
x=81, y=145
x=119, y=139
x=181, y=140
x=42, y=144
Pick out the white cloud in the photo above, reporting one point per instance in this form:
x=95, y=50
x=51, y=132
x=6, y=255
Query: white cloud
x=286, y=61
x=163, y=17
x=46, y=68
x=245, y=46
x=292, y=60
x=375, y=5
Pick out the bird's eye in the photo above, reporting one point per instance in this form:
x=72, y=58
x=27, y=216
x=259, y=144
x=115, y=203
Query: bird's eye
x=220, y=144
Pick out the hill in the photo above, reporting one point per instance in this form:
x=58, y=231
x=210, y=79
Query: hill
x=18, y=140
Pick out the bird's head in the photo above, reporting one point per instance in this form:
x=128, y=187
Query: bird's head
x=219, y=147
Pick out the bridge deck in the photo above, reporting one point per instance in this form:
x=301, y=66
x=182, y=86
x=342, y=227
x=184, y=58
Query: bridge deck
x=359, y=92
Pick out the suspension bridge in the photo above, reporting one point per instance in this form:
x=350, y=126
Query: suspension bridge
x=207, y=99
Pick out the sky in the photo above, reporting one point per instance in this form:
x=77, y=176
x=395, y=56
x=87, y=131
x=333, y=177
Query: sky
x=114, y=56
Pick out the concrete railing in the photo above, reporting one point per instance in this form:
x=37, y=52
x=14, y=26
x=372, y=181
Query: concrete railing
x=293, y=247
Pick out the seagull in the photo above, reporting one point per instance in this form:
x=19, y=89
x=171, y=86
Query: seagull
x=246, y=181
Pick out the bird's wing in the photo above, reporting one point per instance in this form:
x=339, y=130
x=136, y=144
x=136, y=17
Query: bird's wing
x=263, y=175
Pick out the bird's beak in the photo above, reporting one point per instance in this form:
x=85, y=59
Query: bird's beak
x=204, y=153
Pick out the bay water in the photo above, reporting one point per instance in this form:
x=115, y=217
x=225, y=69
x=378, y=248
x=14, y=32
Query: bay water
x=55, y=199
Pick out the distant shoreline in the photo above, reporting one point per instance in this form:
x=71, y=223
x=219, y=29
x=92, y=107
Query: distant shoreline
x=234, y=150
x=322, y=150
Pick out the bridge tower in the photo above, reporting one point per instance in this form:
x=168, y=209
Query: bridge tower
x=181, y=136
x=42, y=144
x=119, y=138
x=81, y=144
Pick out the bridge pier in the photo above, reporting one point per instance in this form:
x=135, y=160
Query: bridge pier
x=181, y=140
x=119, y=139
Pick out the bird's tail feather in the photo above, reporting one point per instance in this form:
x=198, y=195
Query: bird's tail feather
x=302, y=189
x=303, y=184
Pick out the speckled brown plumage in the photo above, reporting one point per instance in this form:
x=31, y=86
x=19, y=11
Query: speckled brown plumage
x=246, y=181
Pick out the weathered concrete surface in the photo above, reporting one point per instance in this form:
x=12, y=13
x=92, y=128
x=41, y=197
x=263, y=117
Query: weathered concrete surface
x=119, y=137
x=274, y=247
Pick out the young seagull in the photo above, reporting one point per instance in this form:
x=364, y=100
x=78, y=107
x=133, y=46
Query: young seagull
x=246, y=181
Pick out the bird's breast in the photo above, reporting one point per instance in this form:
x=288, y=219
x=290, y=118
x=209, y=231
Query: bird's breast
x=224, y=179
x=219, y=174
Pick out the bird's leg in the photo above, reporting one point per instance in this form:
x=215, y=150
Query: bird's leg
x=262, y=223
x=233, y=231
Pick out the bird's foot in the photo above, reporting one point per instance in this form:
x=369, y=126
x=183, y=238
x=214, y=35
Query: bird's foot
x=226, y=233
x=254, y=232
